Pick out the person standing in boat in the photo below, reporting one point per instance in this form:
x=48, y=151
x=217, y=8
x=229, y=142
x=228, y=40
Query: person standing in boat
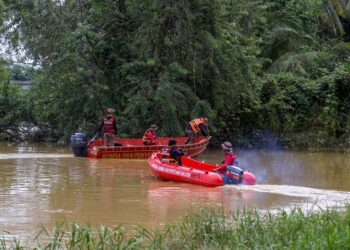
x=198, y=125
x=109, y=127
x=172, y=152
x=149, y=138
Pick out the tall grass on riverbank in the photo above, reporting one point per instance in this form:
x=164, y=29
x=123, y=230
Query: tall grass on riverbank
x=208, y=229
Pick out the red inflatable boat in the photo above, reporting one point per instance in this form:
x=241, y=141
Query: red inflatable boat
x=134, y=148
x=191, y=171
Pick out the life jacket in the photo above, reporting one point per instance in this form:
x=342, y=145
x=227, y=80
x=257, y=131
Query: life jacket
x=108, y=125
x=195, y=125
x=146, y=138
x=230, y=158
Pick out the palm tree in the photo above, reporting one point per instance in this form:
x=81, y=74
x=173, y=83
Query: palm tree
x=337, y=11
x=298, y=63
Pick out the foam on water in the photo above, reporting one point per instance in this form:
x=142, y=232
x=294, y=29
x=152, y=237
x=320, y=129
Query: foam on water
x=315, y=199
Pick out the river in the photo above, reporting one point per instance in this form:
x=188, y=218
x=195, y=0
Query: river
x=42, y=184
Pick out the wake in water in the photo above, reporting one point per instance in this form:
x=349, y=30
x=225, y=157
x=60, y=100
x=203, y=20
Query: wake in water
x=33, y=156
x=316, y=199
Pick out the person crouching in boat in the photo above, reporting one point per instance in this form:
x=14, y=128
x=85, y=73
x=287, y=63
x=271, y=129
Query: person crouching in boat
x=149, y=138
x=109, y=127
x=198, y=125
x=228, y=169
x=171, y=152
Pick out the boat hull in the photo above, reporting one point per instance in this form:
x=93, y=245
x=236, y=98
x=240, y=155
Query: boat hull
x=134, y=148
x=173, y=172
x=191, y=171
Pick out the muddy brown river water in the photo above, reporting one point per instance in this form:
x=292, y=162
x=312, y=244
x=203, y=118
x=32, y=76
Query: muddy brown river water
x=42, y=184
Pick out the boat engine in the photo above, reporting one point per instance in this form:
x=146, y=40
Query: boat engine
x=78, y=144
x=234, y=175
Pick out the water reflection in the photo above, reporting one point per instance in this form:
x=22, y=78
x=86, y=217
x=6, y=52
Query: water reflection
x=167, y=201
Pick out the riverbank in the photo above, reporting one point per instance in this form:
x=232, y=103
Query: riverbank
x=260, y=139
x=209, y=229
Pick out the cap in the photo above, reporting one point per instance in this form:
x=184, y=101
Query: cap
x=172, y=142
x=226, y=145
x=154, y=126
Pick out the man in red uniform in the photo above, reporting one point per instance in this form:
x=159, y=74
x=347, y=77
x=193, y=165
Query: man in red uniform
x=228, y=169
x=109, y=127
x=149, y=138
x=198, y=125
x=230, y=156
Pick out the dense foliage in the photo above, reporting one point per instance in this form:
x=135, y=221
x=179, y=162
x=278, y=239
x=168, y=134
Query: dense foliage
x=256, y=68
x=14, y=106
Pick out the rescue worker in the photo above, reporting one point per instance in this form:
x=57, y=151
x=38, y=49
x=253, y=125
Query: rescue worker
x=149, y=138
x=109, y=127
x=230, y=156
x=172, y=152
x=198, y=125
x=228, y=169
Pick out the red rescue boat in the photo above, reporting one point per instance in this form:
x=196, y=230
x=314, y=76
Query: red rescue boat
x=191, y=171
x=134, y=148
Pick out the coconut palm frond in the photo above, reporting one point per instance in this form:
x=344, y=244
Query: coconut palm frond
x=341, y=7
x=297, y=63
x=290, y=33
x=337, y=10
x=283, y=40
x=285, y=35
x=288, y=21
x=333, y=20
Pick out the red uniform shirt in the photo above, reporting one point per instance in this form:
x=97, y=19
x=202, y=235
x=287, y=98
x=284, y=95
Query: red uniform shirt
x=149, y=137
x=230, y=159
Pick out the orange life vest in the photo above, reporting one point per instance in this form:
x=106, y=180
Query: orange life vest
x=195, y=125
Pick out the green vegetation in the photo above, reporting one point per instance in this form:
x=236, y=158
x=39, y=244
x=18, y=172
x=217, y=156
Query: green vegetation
x=14, y=106
x=208, y=229
x=256, y=68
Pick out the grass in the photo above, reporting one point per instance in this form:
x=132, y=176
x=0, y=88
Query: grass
x=209, y=229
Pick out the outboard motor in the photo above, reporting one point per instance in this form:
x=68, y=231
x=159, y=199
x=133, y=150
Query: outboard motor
x=78, y=144
x=234, y=175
